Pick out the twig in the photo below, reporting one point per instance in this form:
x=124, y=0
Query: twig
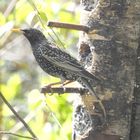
x=10, y=7
x=10, y=133
x=62, y=90
x=41, y=21
x=28, y=118
x=68, y=26
x=16, y=114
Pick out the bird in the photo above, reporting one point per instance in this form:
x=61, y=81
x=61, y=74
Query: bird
x=59, y=63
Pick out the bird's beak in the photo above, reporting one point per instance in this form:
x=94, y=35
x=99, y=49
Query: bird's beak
x=17, y=30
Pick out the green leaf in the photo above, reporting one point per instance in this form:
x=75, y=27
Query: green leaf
x=43, y=16
x=34, y=99
x=2, y=19
x=12, y=87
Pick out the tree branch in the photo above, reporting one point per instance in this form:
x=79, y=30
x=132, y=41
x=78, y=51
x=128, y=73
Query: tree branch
x=68, y=26
x=16, y=114
x=62, y=90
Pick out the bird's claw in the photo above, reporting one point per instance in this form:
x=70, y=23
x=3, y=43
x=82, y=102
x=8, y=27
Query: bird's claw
x=47, y=87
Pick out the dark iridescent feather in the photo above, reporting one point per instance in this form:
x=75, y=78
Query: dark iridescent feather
x=57, y=62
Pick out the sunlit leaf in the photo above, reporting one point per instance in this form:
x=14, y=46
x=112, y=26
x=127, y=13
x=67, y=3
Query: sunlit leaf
x=2, y=19
x=31, y=18
x=34, y=99
x=12, y=87
x=22, y=10
x=43, y=16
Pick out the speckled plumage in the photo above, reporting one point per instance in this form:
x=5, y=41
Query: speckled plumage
x=57, y=62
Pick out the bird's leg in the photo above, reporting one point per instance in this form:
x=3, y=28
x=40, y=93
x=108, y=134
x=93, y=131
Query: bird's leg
x=52, y=84
x=63, y=83
x=66, y=82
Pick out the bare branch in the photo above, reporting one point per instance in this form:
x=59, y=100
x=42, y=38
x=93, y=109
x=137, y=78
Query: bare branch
x=68, y=26
x=10, y=7
x=62, y=90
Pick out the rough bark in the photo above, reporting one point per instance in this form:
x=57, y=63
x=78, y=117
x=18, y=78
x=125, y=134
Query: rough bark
x=110, y=48
x=135, y=120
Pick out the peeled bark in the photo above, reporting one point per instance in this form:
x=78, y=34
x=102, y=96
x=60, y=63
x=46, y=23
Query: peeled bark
x=110, y=48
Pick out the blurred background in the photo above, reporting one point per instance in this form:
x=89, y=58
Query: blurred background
x=21, y=78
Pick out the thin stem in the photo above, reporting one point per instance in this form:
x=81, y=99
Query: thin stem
x=16, y=114
x=39, y=18
x=10, y=133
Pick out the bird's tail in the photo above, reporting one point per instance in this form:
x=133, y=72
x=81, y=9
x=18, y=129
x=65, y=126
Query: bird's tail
x=87, y=84
x=90, y=76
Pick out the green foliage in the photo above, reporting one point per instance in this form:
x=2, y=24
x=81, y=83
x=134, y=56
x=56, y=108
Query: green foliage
x=12, y=87
x=2, y=19
x=21, y=78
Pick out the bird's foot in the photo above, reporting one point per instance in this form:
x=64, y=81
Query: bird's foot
x=66, y=82
x=47, y=86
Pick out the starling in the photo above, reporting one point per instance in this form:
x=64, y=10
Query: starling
x=57, y=62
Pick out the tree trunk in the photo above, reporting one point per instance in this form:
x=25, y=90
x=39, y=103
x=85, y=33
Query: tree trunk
x=135, y=120
x=109, y=50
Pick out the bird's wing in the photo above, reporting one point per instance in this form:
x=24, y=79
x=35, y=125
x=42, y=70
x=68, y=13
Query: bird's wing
x=64, y=60
x=67, y=62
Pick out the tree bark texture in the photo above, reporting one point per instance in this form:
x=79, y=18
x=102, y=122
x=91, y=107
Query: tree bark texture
x=135, y=120
x=109, y=51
